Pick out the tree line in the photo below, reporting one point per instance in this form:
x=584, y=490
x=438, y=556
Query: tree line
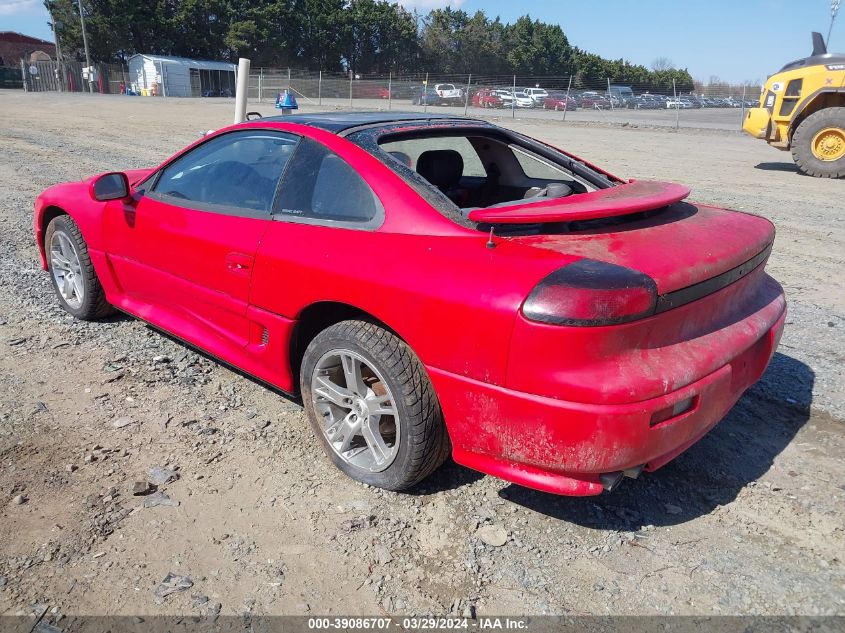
x=359, y=36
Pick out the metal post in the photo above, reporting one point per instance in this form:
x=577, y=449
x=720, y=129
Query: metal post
x=163, y=82
x=260, y=82
x=566, y=104
x=390, y=90
x=513, y=99
x=58, y=53
x=85, y=45
x=677, y=106
x=466, y=96
x=351, y=80
x=609, y=96
x=742, y=117
x=25, y=75
x=320, y=89
x=424, y=91
x=241, y=89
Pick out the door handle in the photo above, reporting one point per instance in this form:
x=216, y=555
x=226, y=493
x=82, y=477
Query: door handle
x=239, y=263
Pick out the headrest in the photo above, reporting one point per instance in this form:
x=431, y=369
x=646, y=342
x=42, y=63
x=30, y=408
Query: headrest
x=443, y=168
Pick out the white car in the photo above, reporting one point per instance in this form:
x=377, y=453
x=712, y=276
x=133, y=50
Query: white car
x=678, y=103
x=537, y=95
x=448, y=92
x=522, y=100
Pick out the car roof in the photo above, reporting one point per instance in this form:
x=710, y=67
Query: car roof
x=339, y=122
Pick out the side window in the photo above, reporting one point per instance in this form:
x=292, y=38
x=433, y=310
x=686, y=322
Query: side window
x=320, y=185
x=538, y=169
x=239, y=170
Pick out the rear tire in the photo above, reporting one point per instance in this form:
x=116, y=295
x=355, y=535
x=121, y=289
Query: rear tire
x=818, y=144
x=71, y=271
x=414, y=442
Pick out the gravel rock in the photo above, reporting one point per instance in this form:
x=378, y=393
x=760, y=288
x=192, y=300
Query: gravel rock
x=159, y=476
x=171, y=584
x=494, y=535
x=159, y=499
x=122, y=422
x=140, y=488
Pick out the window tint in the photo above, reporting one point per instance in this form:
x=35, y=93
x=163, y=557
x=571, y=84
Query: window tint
x=409, y=152
x=237, y=170
x=321, y=185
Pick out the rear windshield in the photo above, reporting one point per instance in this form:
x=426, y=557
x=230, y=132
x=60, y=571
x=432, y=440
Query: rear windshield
x=464, y=168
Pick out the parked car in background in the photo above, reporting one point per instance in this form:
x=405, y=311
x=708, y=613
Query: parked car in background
x=681, y=104
x=449, y=95
x=559, y=101
x=650, y=101
x=487, y=98
x=424, y=96
x=623, y=96
x=537, y=95
x=593, y=101
x=522, y=101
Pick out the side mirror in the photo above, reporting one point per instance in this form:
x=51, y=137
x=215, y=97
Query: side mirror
x=111, y=186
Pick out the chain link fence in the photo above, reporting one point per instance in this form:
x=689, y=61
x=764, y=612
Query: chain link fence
x=571, y=97
x=565, y=97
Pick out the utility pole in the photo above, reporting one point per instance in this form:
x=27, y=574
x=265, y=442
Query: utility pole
x=834, y=9
x=59, y=73
x=85, y=44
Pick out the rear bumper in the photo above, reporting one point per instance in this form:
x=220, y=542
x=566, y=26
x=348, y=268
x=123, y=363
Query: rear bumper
x=563, y=447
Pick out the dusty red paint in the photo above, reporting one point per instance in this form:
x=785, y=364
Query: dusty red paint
x=546, y=406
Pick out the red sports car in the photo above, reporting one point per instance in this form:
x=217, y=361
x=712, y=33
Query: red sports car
x=432, y=285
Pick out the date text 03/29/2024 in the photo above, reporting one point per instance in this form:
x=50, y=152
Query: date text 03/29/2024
x=418, y=623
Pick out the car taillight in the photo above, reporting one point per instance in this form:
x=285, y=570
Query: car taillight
x=590, y=293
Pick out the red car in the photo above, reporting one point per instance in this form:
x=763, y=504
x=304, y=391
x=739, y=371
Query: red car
x=486, y=98
x=432, y=285
x=594, y=102
x=559, y=101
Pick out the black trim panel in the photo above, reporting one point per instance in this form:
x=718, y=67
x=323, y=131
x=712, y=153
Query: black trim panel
x=709, y=286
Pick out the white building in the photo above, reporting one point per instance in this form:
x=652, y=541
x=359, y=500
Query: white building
x=181, y=77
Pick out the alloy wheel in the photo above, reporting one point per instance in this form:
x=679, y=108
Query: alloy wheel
x=356, y=409
x=66, y=269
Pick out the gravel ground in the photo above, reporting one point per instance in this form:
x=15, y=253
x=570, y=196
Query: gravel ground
x=254, y=520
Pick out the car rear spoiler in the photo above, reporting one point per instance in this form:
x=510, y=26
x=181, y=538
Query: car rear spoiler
x=632, y=197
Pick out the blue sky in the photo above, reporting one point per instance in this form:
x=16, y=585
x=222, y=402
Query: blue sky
x=736, y=40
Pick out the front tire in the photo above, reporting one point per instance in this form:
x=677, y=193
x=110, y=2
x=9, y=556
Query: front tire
x=372, y=406
x=818, y=145
x=71, y=271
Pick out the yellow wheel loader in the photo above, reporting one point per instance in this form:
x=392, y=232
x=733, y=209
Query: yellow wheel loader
x=802, y=109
